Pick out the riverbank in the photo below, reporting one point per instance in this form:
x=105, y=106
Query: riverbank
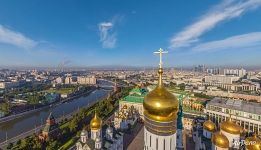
x=103, y=104
x=37, y=129
x=14, y=116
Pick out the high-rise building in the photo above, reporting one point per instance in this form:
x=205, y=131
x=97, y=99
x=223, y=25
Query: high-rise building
x=214, y=71
x=86, y=80
x=221, y=79
x=200, y=68
x=237, y=72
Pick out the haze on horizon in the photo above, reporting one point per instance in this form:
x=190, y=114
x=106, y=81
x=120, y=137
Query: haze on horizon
x=116, y=33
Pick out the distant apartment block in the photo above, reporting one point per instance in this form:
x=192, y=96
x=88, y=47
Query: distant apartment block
x=253, y=86
x=11, y=84
x=70, y=80
x=221, y=79
x=246, y=97
x=86, y=80
x=214, y=71
x=236, y=72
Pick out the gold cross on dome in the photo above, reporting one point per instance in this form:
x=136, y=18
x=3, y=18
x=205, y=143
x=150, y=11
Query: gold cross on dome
x=160, y=52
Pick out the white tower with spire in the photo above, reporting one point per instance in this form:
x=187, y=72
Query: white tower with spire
x=96, y=125
x=160, y=115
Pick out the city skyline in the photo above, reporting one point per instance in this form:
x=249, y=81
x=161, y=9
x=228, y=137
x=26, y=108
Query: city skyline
x=114, y=33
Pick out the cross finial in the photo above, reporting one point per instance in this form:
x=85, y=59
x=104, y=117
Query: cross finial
x=160, y=52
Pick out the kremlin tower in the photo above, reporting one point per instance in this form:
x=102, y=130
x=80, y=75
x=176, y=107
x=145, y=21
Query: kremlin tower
x=160, y=116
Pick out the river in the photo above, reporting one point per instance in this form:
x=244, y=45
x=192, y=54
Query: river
x=30, y=121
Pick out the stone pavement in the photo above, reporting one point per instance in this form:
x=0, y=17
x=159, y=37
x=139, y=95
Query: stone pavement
x=138, y=142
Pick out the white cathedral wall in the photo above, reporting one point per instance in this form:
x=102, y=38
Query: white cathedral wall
x=95, y=134
x=170, y=141
x=214, y=147
x=232, y=138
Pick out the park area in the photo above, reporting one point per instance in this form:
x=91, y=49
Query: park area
x=61, y=90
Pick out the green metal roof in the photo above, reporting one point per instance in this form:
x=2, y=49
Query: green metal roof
x=134, y=99
x=136, y=95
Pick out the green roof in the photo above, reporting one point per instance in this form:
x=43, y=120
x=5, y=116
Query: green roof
x=136, y=95
x=134, y=99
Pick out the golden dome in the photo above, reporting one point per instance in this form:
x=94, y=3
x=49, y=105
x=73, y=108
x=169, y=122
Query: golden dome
x=209, y=125
x=220, y=140
x=160, y=105
x=253, y=143
x=96, y=122
x=125, y=107
x=230, y=127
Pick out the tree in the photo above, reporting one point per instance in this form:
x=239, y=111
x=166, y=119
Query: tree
x=172, y=84
x=182, y=86
x=23, y=145
x=5, y=107
x=18, y=143
x=36, y=144
x=73, y=124
x=10, y=146
x=52, y=145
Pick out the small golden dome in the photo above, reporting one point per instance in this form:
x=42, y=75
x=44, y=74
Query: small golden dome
x=96, y=122
x=125, y=107
x=253, y=143
x=220, y=140
x=209, y=125
x=160, y=105
x=230, y=127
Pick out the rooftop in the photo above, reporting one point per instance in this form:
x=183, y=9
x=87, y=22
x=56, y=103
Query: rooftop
x=250, y=107
x=136, y=95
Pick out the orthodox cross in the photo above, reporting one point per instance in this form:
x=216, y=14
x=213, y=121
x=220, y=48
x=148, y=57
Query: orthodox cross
x=160, y=52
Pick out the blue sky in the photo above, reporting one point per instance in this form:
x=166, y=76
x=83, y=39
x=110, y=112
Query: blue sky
x=116, y=32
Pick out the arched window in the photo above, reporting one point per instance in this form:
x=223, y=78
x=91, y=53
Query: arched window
x=150, y=140
x=170, y=143
x=146, y=137
x=157, y=144
x=164, y=145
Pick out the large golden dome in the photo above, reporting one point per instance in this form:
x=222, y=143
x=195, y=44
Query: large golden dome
x=96, y=122
x=230, y=127
x=209, y=125
x=253, y=143
x=160, y=105
x=220, y=140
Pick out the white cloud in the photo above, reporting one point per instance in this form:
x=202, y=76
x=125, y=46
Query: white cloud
x=235, y=42
x=107, y=36
x=15, y=38
x=227, y=10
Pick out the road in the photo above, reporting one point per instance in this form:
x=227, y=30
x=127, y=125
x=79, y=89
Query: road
x=38, y=128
